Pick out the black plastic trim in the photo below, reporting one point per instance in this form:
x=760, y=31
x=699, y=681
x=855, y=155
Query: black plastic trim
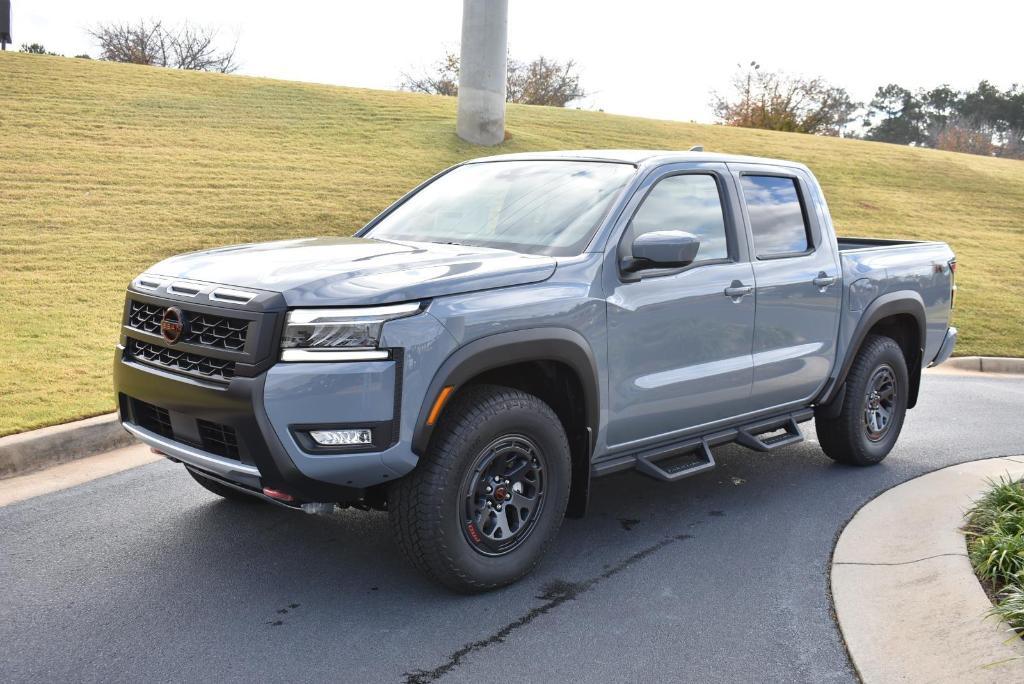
x=505, y=349
x=892, y=304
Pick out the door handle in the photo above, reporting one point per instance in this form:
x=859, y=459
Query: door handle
x=738, y=290
x=823, y=281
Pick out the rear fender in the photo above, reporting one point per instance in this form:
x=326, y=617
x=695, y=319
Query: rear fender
x=903, y=302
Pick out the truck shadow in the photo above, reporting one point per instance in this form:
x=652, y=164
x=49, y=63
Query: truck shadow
x=350, y=556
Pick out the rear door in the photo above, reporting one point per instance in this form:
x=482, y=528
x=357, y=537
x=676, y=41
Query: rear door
x=797, y=281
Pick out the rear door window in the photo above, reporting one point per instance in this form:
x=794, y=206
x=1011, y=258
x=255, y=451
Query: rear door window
x=777, y=217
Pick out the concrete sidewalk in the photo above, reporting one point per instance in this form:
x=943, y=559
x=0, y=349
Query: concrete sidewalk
x=55, y=478
x=908, y=603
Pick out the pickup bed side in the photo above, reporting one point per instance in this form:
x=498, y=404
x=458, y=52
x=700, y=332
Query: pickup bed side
x=903, y=286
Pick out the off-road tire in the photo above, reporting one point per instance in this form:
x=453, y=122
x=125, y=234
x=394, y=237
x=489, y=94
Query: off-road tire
x=845, y=438
x=425, y=507
x=220, y=489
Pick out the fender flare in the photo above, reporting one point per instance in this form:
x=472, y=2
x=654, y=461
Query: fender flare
x=901, y=302
x=504, y=349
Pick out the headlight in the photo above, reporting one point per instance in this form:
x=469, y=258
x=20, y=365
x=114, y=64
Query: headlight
x=339, y=334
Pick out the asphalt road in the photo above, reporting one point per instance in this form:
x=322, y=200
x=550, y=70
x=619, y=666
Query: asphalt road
x=143, y=576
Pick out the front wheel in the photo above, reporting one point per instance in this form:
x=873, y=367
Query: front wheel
x=874, y=406
x=483, y=505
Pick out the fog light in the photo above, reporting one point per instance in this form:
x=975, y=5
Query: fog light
x=342, y=437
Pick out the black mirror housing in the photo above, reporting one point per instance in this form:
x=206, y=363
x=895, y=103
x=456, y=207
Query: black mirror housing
x=663, y=249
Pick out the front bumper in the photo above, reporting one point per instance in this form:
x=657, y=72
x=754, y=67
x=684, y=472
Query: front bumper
x=173, y=414
x=946, y=349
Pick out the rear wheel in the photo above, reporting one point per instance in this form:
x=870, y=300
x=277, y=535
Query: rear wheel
x=874, y=406
x=483, y=505
x=219, y=489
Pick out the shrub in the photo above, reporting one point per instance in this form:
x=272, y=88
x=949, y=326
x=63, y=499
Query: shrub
x=995, y=546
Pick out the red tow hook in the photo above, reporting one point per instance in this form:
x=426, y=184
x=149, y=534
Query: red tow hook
x=278, y=495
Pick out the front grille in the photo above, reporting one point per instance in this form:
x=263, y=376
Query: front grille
x=218, y=439
x=145, y=317
x=208, y=330
x=153, y=418
x=216, y=331
x=181, y=361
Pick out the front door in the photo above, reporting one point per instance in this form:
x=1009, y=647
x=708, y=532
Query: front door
x=679, y=340
x=799, y=288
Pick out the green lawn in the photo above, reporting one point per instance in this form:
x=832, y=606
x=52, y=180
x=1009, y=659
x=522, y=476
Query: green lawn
x=107, y=168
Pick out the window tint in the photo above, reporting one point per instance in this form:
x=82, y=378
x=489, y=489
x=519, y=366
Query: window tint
x=776, y=217
x=690, y=203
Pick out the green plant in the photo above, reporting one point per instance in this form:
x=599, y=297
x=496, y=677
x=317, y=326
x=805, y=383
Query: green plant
x=1011, y=605
x=995, y=546
x=998, y=555
x=1004, y=500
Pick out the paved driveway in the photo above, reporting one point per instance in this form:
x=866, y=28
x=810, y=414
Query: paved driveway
x=144, y=576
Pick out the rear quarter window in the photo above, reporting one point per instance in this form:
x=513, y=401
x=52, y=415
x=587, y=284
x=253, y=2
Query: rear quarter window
x=777, y=217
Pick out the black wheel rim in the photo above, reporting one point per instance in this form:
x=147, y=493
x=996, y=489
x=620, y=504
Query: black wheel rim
x=503, y=495
x=880, y=403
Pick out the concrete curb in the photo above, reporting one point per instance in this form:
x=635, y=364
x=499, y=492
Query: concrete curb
x=37, y=449
x=908, y=603
x=986, y=364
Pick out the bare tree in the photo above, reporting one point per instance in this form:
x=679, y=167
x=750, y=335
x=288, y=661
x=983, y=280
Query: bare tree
x=442, y=79
x=779, y=102
x=144, y=42
x=153, y=43
x=193, y=48
x=542, y=81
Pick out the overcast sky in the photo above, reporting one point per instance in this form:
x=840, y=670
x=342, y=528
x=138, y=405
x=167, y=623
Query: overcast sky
x=641, y=57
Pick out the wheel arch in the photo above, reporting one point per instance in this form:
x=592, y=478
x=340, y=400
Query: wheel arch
x=555, y=364
x=899, y=315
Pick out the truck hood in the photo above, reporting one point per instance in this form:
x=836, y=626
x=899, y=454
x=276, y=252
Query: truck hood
x=357, y=271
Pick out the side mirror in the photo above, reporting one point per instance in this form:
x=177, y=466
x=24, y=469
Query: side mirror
x=662, y=249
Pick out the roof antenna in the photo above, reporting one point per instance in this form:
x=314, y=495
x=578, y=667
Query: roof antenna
x=697, y=148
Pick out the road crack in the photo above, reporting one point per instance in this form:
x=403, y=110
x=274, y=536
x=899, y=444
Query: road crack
x=554, y=595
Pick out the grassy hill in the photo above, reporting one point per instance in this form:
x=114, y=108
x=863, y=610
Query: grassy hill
x=107, y=168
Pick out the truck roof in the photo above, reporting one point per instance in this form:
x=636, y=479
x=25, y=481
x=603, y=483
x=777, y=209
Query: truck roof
x=639, y=157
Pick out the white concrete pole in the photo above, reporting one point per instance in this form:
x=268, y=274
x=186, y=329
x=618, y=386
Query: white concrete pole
x=481, y=118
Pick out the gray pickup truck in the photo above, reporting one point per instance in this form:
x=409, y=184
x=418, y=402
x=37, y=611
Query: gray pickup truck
x=518, y=325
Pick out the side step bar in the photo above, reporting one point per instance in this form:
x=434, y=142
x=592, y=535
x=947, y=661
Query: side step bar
x=673, y=462
x=676, y=463
x=752, y=436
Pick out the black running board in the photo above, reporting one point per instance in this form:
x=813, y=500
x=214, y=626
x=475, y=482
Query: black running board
x=752, y=436
x=676, y=462
x=673, y=462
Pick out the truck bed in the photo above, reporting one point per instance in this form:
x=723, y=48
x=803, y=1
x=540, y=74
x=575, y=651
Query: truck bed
x=873, y=267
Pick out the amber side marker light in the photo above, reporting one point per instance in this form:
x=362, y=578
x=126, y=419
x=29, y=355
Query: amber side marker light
x=439, y=403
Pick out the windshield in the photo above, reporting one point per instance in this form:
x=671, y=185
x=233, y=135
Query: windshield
x=536, y=207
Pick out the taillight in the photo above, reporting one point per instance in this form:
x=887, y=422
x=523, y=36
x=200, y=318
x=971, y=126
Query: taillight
x=952, y=283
